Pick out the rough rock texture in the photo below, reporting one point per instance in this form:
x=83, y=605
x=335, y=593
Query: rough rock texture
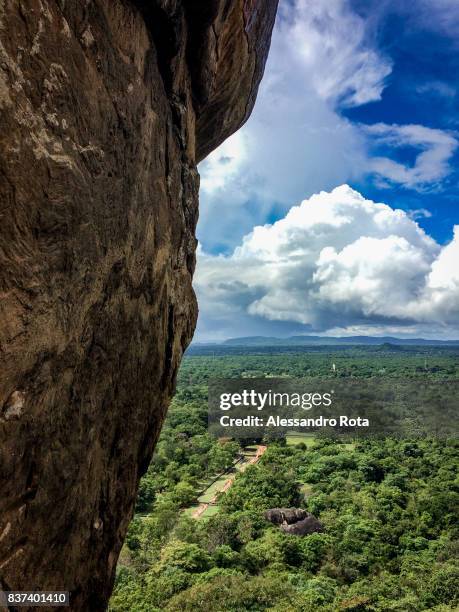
x=303, y=527
x=295, y=521
x=278, y=516
x=106, y=107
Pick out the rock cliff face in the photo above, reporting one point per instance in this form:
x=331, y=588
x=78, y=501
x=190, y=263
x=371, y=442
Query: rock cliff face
x=106, y=107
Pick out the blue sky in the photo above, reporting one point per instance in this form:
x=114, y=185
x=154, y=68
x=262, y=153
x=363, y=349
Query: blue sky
x=357, y=93
x=421, y=89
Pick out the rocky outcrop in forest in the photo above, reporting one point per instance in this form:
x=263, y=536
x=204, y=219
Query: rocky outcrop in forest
x=106, y=108
x=294, y=521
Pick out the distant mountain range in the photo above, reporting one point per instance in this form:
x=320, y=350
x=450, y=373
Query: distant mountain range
x=331, y=340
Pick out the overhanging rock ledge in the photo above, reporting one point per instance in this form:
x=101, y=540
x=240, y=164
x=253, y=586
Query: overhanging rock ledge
x=106, y=106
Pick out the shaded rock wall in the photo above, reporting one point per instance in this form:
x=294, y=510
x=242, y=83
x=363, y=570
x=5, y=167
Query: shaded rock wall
x=106, y=107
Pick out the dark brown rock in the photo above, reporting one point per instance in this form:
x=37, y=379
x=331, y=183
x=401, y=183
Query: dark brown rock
x=106, y=107
x=278, y=516
x=304, y=526
x=295, y=521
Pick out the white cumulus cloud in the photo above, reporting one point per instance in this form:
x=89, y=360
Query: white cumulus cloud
x=336, y=261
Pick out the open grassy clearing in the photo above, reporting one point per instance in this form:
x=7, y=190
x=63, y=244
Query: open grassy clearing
x=298, y=438
x=210, y=511
x=214, y=488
